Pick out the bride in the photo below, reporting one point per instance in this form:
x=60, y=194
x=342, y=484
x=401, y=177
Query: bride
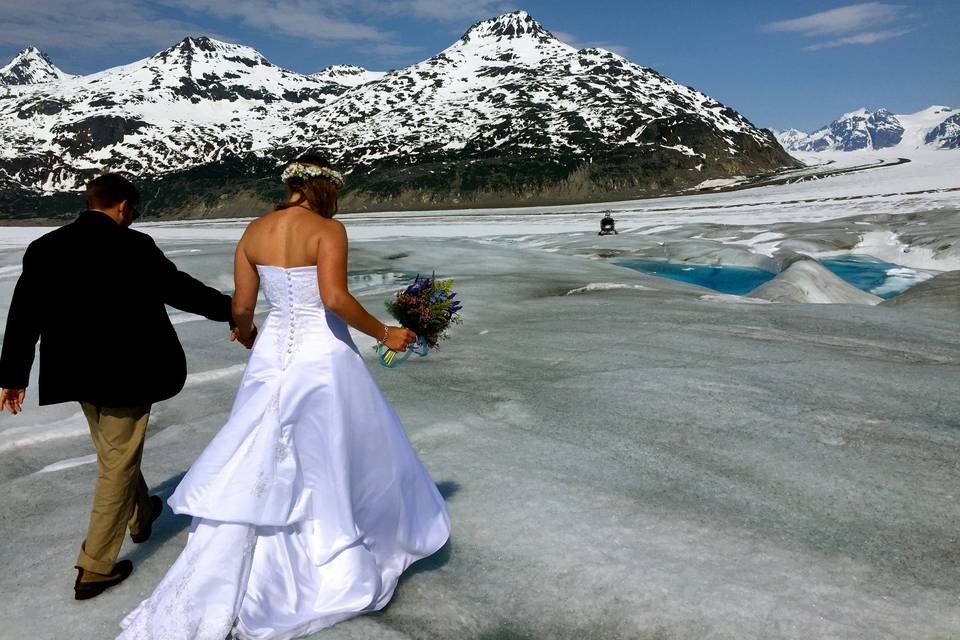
x=310, y=502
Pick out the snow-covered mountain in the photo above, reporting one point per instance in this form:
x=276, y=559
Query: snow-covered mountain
x=196, y=102
x=936, y=126
x=31, y=66
x=508, y=108
x=509, y=83
x=945, y=135
x=790, y=138
x=348, y=75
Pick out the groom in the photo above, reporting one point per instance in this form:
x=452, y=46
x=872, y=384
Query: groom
x=93, y=292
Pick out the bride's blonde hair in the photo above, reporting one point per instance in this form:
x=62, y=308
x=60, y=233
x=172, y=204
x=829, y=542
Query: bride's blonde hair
x=318, y=192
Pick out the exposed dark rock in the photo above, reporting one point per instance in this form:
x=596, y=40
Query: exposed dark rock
x=947, y=134
x=97, y=132
x=47, y=107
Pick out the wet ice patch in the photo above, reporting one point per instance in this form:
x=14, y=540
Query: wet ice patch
x=660, y=229
x=887, y=245
x=717, y=183
x=607, y=286
x=10, y=271
x=69, y=463
x=899, y=279
x=374, y=281
x=766, y=242
x=726, y=297
x=25, y=436
x=213, y=375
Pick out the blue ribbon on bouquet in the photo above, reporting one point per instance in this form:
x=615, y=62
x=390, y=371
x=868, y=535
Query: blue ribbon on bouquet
x=392, y=359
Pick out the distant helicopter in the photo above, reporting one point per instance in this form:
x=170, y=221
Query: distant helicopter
x=607, y=225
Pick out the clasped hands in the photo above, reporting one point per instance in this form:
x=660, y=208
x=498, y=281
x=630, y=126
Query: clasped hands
x=246, y=338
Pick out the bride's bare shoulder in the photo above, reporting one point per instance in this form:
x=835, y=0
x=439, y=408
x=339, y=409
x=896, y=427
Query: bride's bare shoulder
x=261, y=220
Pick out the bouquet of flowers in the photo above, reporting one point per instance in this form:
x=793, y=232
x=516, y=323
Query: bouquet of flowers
x=427, y=307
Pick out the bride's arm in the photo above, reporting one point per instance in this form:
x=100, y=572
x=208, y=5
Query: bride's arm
x=246, y=284
x=332, y=278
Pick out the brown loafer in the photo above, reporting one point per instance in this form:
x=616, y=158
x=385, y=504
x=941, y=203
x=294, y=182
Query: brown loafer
x=90, y=584
x=144, y=535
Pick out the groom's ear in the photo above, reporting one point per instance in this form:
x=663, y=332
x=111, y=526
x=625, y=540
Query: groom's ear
x=128, y=211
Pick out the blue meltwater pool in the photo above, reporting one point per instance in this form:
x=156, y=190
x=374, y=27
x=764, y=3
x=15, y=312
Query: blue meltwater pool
x=880, y=278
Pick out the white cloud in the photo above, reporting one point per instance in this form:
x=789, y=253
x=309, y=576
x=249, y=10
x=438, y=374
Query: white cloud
x=145, y=26
x=453, y=10
x=866, y=37
x=391, y=51
x=336, y=21
x=853, y=24
x=58, y=25
x=854, y=17
x=575, y=42
x=319, y=21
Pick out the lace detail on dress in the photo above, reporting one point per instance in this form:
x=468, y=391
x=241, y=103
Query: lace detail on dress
x=176, y=610
x=284, y=288
x=260, y=486
x=281, y=449
x=272, y=286
x=274, y=407
x=291, y=292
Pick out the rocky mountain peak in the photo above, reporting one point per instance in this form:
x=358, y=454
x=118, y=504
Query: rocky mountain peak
x=790, y=138
x=518, y=24
x=946, y=135
x=866, y=129
x=341, y=70
x=348, y=75
x=31, y=66
x=210, y=51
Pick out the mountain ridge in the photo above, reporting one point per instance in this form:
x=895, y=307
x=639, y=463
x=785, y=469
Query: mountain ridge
x=936, y=127
x=507, y=113
x=31, y=66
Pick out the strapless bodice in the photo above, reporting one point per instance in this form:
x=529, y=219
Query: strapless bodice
x=299, y=327
x=289, y=288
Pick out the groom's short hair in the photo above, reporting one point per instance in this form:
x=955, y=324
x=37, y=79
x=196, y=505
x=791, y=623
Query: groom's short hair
x=109, y=190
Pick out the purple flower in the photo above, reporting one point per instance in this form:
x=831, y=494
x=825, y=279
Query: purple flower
x=419, y=285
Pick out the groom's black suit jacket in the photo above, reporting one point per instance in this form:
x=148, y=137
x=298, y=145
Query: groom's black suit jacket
x=93, y=293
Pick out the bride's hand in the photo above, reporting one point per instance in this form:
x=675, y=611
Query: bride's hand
x=235, y=336
x=399, y=338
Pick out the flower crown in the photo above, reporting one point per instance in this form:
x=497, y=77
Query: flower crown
x=307, y=171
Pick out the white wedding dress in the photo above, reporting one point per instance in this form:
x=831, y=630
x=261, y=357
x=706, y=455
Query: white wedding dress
x=308, y=504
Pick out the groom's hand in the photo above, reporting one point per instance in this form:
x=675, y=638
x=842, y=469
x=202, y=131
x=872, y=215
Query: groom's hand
x=12, y=400
x=248, y=341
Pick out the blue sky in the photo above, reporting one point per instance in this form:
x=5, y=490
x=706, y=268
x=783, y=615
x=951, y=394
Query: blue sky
x=780, y=63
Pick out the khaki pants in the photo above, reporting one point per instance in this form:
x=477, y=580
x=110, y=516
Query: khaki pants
x=121, y=497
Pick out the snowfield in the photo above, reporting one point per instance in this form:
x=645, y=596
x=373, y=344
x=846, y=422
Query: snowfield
x=624, y=456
